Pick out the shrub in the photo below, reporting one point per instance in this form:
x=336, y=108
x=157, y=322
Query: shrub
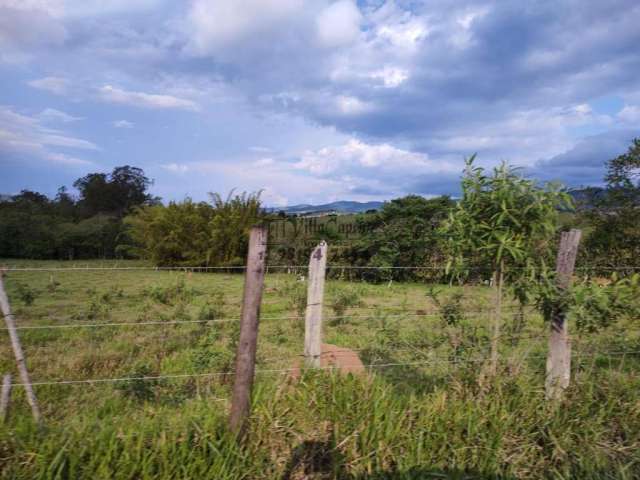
x=100, y=306
x=296, y=293
x=344, y=298
x=213, y=307
x=172, y=294
x=450, y=308
x=26, y=294
x=138, y=388
x=594, y=307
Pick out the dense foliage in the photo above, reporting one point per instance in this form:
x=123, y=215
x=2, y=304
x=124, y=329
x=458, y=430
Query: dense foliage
x=189, y=233
x=504, y=223
x=90, y=226
x=615, y=238
x=404, y=233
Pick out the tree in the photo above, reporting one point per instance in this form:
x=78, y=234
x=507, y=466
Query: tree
x=404, y=233
x=33, y=226
x=615, y=238
x=115, y=193
x=503, y=224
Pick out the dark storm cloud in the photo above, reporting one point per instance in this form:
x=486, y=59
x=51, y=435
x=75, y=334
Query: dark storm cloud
x=584, y=164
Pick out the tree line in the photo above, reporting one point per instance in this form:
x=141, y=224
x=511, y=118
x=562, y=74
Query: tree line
x=114, y=216
x=89, y=225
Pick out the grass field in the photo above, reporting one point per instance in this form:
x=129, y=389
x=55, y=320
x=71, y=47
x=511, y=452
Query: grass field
x=434, y=416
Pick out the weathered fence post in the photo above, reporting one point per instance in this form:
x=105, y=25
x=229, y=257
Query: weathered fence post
x=313, y=314
x=17, y=350
x=247, y=344
x=559, y=355
x=4, y=397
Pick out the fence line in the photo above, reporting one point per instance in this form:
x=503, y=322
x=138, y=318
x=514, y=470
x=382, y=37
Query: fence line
x=296, y=369
x=474, y=314
x=196, y=269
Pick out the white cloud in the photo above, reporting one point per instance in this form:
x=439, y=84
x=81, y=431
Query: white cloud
x=53, y=115
x=57, y=85
x=66, y=159
x=391, y=77
x=348, y=105
x=176, y=167
x=270, y=196
x=364, y=157
x=630, y=114
x=122, y=124
x=25, y=26
x=338, y=24
x=27, y=135
x=405, y=34
x=112, y=94
x=212, y=26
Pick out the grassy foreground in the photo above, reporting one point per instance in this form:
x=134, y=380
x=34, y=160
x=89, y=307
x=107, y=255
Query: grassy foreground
x=434, y=418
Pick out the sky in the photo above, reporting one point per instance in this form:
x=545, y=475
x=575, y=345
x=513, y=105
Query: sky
x=314, y=101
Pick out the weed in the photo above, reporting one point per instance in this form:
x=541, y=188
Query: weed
x=343, y=299
x=26, y=294
x=296, y=295
x=139, y=387
x=213, y=307
x=100, y=306
x=172, y=294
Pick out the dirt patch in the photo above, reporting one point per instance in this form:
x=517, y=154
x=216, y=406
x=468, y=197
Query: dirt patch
x=341, y=359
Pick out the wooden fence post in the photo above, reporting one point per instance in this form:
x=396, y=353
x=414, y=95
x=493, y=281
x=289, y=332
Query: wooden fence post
x=4, y=397
x=559, y=355
x=17, y=351
x=247, y=344
x=315, y=299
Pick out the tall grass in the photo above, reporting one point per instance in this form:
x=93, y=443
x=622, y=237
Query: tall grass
x=431, y=420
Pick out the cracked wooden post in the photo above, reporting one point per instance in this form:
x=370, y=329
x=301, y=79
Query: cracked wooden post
x=250, y=317
x=559, y=355
x=315, y=299
x=17, y=351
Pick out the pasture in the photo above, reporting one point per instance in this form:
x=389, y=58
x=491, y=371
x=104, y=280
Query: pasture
x=161, y=345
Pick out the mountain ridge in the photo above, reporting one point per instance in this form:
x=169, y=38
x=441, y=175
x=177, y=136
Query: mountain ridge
x=340, y=206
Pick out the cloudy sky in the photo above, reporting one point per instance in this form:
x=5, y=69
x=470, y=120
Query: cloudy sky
x=314, y=100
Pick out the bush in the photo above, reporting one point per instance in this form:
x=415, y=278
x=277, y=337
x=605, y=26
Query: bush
x=213, y=308
x=594, y=307
x=26, y=294
x=450, y=308
x=296, y=293
x=138, y=388
x=100, y=306
x=344, y=298
x=172, y=294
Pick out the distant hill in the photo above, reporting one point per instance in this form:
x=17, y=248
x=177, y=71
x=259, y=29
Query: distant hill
x=343, y=206
x=587, y=197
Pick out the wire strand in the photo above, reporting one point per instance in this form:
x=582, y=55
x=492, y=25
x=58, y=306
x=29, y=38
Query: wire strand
x=290, y=370
x=476, y=314
x=195, y=269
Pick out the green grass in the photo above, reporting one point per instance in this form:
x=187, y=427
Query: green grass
x=425, y=420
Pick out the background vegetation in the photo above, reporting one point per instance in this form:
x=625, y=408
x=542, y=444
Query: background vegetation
x=114, y=216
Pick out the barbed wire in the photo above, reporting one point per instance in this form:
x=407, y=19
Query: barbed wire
x=295, y=369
